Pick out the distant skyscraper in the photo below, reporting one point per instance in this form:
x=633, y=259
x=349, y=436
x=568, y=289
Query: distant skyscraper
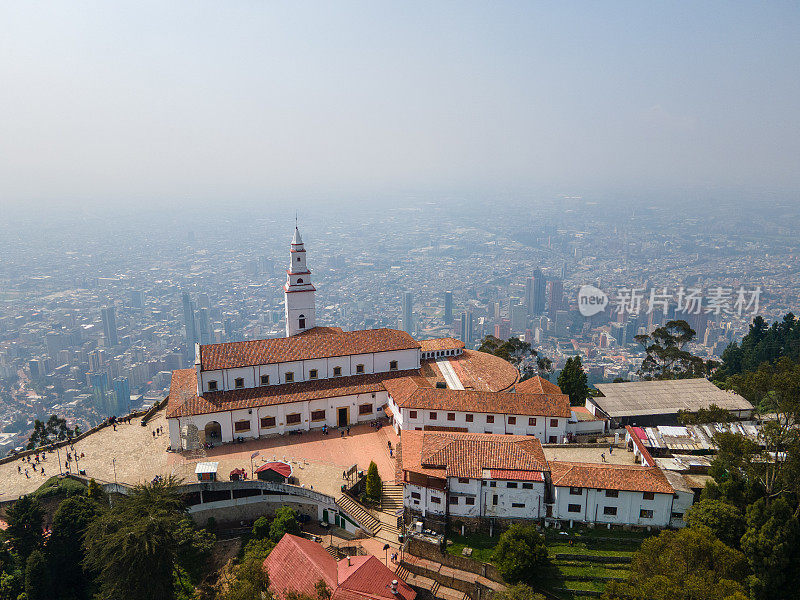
x=467, y=328
x=555, y=298
x=122, y=395
x=137, y=299
x=535, y=293
x=408, y=316
x=519, y=319
x=204, y=326
x=99, y=382
x=110, y=326
x=190, y=328
x=448, y=308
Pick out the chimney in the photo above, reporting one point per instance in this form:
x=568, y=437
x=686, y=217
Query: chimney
x=348, y=561
x=394, y=587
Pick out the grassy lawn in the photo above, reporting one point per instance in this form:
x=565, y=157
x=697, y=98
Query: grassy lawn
x=482, y=545
x=590, y=570
x=583, y=548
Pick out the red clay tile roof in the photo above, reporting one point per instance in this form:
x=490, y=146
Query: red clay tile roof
x=319, y=342
x=446, y=343
x=440, y=454
x=631, y=478
x=184, y=401
x=517, y=475
x=414, y=392
x=297, y=564
x=484, y=372
x=537, y=385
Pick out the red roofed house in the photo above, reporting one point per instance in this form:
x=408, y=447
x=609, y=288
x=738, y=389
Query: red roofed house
x=298, y=564
x=472, y=475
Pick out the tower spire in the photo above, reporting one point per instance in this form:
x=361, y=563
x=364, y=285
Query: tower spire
x=298, y=291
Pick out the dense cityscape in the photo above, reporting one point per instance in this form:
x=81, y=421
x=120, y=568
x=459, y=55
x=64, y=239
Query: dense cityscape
x=96, y=311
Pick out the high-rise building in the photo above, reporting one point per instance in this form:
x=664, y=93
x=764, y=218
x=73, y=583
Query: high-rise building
x=408, y=316
x=535, y=288
x=204, y=326
x=110, y=326
x=448, y=308
x=122, y=395
x=555, y=298
x=519, y=320
x=467, y=328
x=99, y=383
x=189, y=325
x=137, y=299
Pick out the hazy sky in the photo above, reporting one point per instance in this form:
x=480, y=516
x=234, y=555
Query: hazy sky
x=172, y=101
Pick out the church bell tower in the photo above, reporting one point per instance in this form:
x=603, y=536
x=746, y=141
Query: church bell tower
x=298, y=291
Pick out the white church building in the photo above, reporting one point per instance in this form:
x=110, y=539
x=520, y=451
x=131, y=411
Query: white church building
x=324, y=376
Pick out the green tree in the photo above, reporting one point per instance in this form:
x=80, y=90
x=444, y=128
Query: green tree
x=37, y=577
x=285, y=521
x=520, y=554
x=689, y=564
x=763, y=344
x=131, y=548
x=25, y=526
x=65, y=546
x=724, y=520
x=373, y=483
x=518, y=591
x=520, y=354
x=250, y=579
x=772, y=545
x=260, y=528
x=712, y=414
x=194, y=548
x=666, y=355
x=573, y=381
x=323, y=591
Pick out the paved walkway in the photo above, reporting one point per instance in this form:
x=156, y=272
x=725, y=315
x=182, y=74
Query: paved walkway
x=318, y=460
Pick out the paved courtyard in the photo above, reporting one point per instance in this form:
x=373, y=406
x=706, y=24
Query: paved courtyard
x=138, y=456
x=568, y=453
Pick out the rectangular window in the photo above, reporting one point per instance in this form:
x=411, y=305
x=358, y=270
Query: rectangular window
x=317, y=415
x=432, y=416
x=313, y=374
x=289, y=377
x=238, y=383
x=511, y=484
x=393, y=365
x=463, y=480
x=267, y=422
x=468, y=417
x=645, y=514
x=415, y=495
x=612, y=493
x=490, y=418
x=494, y=500
x=469, y=501
x=453, y=499
x=365, y=409
x=436, y=500
x=265, y=380
x=492, y=484
x=212, y=385
x=677, y=515
x=552, y=439
x=359, y=368
x=531, y=421
x=293, y=419
x=451, y=416
x=575, y=491
x=239, y=426
x=527, y=486
x=517, y=505
x=648, y=496
x=553, y=422
x=337, y=371
x=412, y=414
x=512, y=420
x=610, y=510
x=576, y=508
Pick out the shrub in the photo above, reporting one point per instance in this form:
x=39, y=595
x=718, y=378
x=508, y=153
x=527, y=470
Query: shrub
x=520, y=553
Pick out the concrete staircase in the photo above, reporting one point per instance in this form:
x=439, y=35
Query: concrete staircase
x=391, y=497
x=365, y=520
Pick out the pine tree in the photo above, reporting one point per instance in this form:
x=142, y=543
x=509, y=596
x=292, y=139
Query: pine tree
x=573, y=382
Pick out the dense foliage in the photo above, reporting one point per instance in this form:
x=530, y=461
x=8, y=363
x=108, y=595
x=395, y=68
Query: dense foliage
x=763, y=343
x=520, y=354
x=374, y=486
x=54, y=430
x=573, y=381
x=521, y=554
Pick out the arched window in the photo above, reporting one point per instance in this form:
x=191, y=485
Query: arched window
x=300, y=280
x=301, y=322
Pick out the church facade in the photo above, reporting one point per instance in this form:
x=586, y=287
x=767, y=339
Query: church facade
x=325, y=377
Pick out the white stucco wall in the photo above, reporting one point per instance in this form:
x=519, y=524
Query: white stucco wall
x=628, y=504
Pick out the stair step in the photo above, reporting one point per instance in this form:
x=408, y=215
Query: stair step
x=359, y=513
